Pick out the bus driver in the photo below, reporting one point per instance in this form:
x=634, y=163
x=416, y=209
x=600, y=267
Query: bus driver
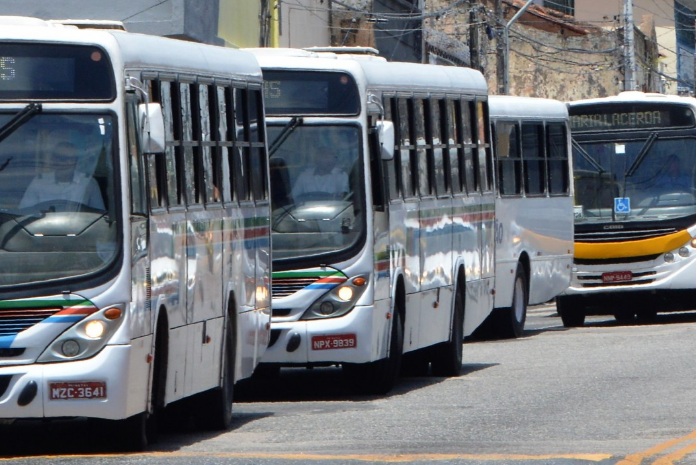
x=64, y=182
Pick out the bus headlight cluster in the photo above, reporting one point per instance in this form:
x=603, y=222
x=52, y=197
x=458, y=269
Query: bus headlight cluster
x=339, y=301
x=85, y=338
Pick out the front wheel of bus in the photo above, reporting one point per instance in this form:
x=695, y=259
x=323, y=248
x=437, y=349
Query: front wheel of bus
x=571, y=311
x=379, y=377
x=447, y=357
x=216, y=411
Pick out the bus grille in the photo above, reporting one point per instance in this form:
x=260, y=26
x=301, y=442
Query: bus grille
x=283, y=287
x=13, y=321
x=621, y=235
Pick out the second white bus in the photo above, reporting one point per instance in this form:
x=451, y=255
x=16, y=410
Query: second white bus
x=399, y=260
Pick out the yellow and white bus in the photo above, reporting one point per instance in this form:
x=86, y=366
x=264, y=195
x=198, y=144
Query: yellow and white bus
x=634, y=176
x=134, y=225
x=383, y=196
x=534, y=207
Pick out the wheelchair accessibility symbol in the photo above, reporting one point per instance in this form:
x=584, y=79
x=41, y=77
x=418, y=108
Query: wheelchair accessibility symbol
x=622, y=205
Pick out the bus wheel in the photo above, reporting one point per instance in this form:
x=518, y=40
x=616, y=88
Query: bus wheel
x=511, y=321
x=216, y=405
x=379, y=377
x=571, y=311
x=446, y=359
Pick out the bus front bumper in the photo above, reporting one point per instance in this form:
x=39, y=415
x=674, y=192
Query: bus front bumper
x=357, y=337
x=104, y=386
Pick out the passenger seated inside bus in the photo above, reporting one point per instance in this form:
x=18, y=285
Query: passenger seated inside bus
x=63, y=183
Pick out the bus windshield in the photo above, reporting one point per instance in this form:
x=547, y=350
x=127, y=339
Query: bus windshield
x=57, y=198
x=640, y=178
x=316, y=190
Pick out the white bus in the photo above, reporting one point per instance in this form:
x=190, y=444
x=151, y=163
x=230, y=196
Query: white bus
x=134, y=226
x=389, y=250
x=534, y=207
x=634, y=172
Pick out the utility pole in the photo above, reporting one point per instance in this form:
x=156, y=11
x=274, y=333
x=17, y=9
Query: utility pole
x=629, y=54
x=500, y=49
x=474, y=36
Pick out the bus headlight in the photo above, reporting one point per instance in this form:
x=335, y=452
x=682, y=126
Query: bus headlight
x=684, y=252
x=85, y=338
x=339, y=301
x=669, y=257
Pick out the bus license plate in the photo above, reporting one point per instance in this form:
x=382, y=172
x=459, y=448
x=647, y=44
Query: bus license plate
x=617, y=276
x=77, y=390
x=337, y=341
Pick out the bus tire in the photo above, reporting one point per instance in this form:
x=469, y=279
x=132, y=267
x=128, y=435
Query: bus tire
x=216, y=405
x=510, y=321
x=379, y=377
x=447, y=357
x=571, y=311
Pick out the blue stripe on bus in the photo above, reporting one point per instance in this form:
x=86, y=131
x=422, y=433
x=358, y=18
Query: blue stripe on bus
x=63, y=319
x=322, y=286
x=6, y=341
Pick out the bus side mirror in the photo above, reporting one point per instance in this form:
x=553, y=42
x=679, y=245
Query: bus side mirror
x=152, y=128
x=385, y=130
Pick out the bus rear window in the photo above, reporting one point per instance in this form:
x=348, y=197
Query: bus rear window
x=310, y=93
x=31, y=71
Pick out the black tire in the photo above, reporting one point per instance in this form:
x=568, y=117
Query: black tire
x=572, y=313
x=510, y=322
x=447, y=357
x=214, y=410
x=624, y=316
x=379, y=377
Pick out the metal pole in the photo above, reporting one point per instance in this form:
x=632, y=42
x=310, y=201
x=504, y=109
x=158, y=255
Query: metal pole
x=505, y=41
x=629, y=54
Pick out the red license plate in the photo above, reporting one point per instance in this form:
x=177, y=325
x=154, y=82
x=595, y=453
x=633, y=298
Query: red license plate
x=77, y=390
x=617, y=276
x=337, y=341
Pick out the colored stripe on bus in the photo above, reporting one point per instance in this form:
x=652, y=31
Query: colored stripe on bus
x=626, y=249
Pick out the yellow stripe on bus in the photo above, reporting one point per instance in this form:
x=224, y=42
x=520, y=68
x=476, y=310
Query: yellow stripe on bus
x=653, y=246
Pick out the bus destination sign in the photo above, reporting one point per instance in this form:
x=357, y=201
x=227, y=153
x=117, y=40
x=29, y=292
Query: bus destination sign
x=591, y=118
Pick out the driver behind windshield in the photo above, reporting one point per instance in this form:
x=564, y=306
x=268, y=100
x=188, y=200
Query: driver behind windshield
x=63, y=183
x=322, y=175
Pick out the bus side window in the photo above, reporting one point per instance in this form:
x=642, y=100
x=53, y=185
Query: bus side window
x=454, y=146
x=405, y=149
x=484, y=161
x=508, y=156
x=533, y=158
x=240, y=153
x=171, y=114
x=393, y=166
x=469, y=149
x=438, y=144
x=257, y=157
x=557, y=159
x=421, y=154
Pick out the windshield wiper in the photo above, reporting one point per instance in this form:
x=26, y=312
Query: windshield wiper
x=19, y=119
x=587, y=157
x=642, y=154
x=294, y=122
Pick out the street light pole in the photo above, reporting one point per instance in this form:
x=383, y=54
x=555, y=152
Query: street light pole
x=629, y=55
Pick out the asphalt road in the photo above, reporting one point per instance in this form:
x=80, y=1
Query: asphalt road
x=601, y=394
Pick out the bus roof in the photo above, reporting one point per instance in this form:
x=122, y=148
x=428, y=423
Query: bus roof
x=377, y=73
x=526, y=107
x=137, y=51
x=636, y=97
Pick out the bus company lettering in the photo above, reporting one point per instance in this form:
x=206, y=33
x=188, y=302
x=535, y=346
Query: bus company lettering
x=617, y=120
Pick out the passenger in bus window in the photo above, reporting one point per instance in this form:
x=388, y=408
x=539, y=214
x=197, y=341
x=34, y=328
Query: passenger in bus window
x=322, y=179
x=673, y=177
x=63, y=183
